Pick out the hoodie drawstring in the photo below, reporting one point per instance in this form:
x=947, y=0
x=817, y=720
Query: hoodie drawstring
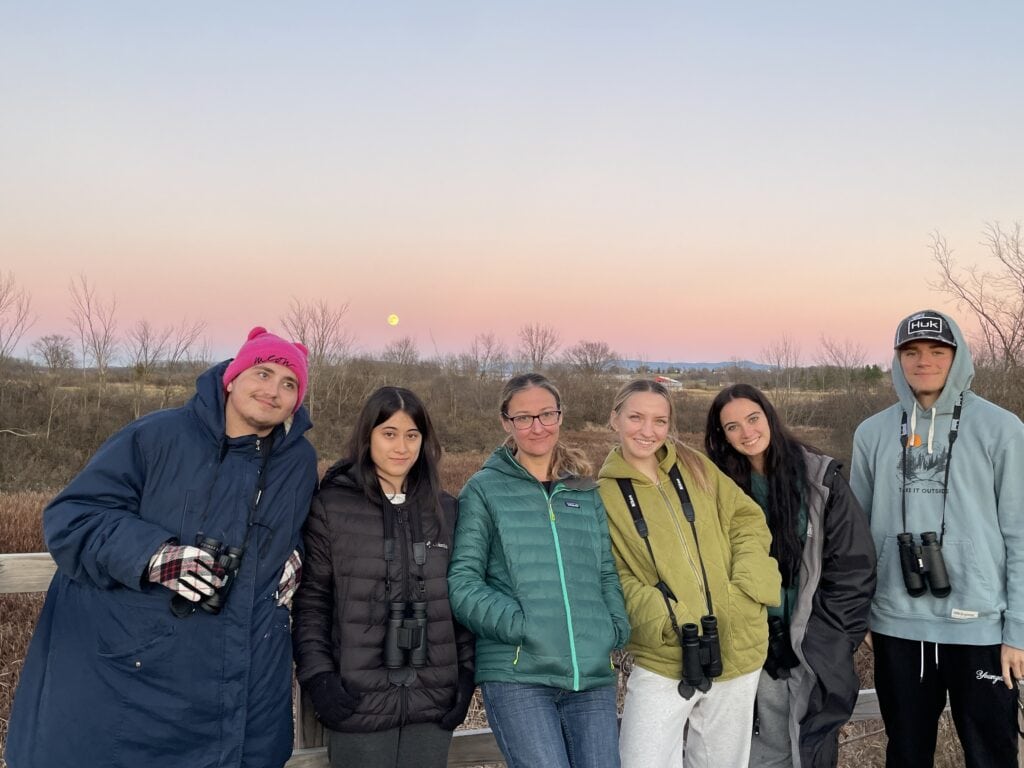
x=931, y=432
x=931, y=427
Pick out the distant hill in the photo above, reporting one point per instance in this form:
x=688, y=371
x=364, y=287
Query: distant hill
x=660, y=365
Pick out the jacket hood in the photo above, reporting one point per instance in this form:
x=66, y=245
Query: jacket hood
x=341, y=474
x=961, y=373
x=615, y=465
x=210, y=399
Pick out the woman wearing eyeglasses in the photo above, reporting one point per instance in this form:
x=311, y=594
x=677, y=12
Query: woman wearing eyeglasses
x=532, y=576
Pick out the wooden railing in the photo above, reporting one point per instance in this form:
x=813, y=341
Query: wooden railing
x=32, y=573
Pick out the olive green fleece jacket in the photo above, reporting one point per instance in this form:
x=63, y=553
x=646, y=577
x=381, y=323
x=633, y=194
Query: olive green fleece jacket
x=734, y=540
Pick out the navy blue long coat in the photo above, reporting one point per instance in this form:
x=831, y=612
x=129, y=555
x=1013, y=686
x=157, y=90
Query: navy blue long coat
x=112, y=678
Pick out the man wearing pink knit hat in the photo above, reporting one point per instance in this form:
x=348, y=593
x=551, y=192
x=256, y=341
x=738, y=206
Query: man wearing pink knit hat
x=164, y=639
x=265, y=383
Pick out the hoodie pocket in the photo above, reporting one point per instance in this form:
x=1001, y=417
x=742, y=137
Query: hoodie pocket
x=971, y=590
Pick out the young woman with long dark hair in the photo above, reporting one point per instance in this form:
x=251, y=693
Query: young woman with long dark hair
x=532, y=576
x=389, y=670
x=826, y=558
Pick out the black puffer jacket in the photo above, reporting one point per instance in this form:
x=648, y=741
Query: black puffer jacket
x=341, y=609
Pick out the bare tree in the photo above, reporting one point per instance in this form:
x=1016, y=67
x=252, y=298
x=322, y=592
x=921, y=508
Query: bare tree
x=182, y=341
x=56, y=350
x=996, y=298
x=538, y=344
x=146, y=346
x=94, y=320
x=149, y=348
x=321, y=328
x=402, y=352
x=15, y=314
x=845, y=358
x=783, y=357
x=487, y=356
x=590, y=356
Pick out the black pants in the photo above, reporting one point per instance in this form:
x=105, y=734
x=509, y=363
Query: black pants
x=421, y=745
x=912, y=692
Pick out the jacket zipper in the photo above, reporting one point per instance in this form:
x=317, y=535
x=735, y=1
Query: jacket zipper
x=403, y=696
x=565, y=592
x=682, y=538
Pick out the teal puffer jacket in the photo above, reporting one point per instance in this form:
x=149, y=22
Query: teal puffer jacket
x=532, y=576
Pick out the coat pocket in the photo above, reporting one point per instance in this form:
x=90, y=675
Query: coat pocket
x=744, y=631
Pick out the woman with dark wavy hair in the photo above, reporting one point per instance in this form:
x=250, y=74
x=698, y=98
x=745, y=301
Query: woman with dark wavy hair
x=390, y=672
x=826, y=557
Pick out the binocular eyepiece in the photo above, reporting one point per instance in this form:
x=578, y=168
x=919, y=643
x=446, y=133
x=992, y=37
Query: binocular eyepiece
x=781, y=657
x=702, y=656
x=923, y=563
x=227, y=561
x=405, y=638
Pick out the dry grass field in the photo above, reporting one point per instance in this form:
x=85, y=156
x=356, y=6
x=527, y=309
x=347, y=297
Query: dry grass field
x=862, y=744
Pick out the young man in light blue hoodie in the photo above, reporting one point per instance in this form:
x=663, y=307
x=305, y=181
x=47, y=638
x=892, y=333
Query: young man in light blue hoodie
x=941, y=476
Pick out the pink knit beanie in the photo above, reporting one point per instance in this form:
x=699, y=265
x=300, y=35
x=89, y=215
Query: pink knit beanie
x=263, y=347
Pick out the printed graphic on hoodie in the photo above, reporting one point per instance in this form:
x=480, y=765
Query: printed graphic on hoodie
x=925, y=471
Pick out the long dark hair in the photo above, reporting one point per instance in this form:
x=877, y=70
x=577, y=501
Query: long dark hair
x=423, y=483
x=564, y=460
x=784, y=469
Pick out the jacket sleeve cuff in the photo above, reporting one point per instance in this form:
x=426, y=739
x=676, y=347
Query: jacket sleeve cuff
x=1013, y=631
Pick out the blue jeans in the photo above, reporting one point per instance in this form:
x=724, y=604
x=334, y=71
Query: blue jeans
x=541, y=727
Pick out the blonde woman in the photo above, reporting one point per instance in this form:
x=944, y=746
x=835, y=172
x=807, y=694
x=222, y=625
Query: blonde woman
x=692, y=553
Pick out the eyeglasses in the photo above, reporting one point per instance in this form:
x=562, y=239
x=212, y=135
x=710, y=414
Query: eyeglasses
x=525, y=421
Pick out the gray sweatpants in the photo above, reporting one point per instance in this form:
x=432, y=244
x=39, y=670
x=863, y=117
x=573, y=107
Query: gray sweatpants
x=655, y=717
x=773, y=746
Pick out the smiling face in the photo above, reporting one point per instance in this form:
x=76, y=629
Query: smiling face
x=926, y=367
x=746, y=428
x=394, y=448
x=260, y=398
x=536, y=441
x=642, y=424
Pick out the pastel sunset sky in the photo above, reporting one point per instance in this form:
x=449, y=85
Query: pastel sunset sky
x=686, y=181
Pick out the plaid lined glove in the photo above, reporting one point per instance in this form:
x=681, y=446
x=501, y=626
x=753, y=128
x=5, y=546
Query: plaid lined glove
x=332, y=701
x=289, y=579
x=188, y=571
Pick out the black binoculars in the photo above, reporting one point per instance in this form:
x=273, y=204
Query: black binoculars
x=781, y=657
x=922, y=563
x=702, y=656
x=227, y=561
x=405, y=639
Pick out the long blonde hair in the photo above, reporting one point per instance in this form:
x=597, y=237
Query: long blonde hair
x=564, y=460
x=687, y=456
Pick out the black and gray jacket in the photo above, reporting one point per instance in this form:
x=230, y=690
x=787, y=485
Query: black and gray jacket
x=837, y=581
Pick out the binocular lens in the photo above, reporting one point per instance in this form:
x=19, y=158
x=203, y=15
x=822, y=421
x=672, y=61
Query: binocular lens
x=702, y=656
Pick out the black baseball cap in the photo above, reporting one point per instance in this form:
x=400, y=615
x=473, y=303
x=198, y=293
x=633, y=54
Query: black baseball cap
x=928, y=325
